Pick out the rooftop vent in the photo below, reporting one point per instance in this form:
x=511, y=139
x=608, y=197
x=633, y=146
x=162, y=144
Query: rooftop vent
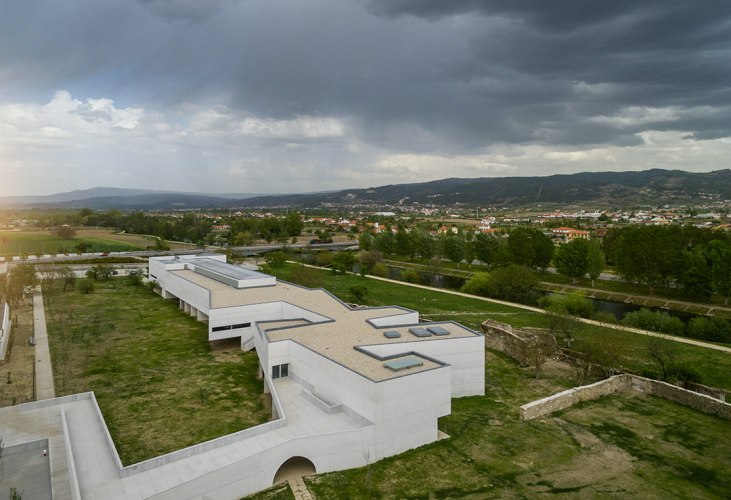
x=420, y=332
x=438, y=330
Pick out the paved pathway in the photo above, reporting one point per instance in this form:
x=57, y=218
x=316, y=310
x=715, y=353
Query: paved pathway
x=299, y=489
x=44, y=373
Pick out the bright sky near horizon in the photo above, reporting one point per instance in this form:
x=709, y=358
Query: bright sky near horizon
x=272, y=96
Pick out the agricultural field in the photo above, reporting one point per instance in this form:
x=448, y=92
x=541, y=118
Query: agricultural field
x=160, y=384
x=40, y=242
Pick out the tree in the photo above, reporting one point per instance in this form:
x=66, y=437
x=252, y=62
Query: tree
x=21, y=281
x=719, y=256
x=595, y=261
x=485, y=248
x=365, y=241
x=293, y=224
x=82, y=247
x=404, y=244
x=607, y=350
x=513, y=283
x=65, y=232
x=537, y=350
x=453, y=248
x=662, y=352
x=276, y=259
x=572, y=259
x=69, y=279
x=530, y=247
x=343, y=261
x=562, y=324
x=368, y=259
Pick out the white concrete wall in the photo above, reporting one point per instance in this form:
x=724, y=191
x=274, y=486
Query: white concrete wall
x=4, y=330
x=194, y=295
x=427, y=392
x=466, y=355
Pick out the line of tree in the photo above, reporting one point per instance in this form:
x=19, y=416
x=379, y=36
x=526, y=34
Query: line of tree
x=694, y=261
x=523, y=246
x=191, y=228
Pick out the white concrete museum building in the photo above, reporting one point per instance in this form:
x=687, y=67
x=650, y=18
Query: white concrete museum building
x=349, y=385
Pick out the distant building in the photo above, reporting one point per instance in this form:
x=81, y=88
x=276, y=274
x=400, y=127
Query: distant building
x=566, y=234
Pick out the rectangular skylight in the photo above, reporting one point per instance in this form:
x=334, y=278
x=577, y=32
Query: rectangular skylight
x=403, y=363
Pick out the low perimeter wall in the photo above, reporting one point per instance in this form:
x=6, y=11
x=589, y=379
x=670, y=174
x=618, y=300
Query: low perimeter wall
x=624, y=382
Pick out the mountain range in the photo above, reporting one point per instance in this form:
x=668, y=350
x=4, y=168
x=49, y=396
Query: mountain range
x=654, y=186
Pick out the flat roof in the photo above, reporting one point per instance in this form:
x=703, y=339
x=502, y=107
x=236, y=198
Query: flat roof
x=228, y=270
x=338, y=336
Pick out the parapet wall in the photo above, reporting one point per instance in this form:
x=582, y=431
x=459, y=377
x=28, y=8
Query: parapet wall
x=624, y=382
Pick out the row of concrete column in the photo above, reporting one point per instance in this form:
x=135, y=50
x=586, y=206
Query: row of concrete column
x=192, y=311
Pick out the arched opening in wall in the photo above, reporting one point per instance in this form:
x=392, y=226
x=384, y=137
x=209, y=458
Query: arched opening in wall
x=293, y=468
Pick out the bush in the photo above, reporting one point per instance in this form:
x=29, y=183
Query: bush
x=276, y=259
x=134, y=278
x=478, y=284
x=710, y=329
x=358, y=292
x=410, y=276
x=85, y=286
x=604, y=317
x=380, y=270
x=655, y=321
x=574, y=304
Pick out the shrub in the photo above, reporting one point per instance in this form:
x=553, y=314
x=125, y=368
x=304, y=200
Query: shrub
x=358, y=292
x=410, y=276
x=380, y=270
x=478, y=284
x=85, y=286
x=574, y=304
x=711, y=329
x=655, y=321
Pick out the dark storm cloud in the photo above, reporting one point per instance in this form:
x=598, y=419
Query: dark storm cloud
x=410, y=75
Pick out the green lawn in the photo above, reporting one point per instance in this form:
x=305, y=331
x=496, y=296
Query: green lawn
x=160, y=384
x=713, y=366
x=37, y=242
x=619, y=446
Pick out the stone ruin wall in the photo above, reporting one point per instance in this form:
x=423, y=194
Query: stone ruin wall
x=625, y=382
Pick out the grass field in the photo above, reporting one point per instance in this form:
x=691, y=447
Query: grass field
x=713, y=366
x=39, y=242
x=160, y=384
x=617, y=447
x=16, y=374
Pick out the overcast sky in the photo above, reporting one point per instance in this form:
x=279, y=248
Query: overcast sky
x=272, y=96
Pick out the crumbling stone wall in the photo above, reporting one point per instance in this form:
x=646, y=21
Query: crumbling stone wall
x=625, y=382
x=501, y=337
